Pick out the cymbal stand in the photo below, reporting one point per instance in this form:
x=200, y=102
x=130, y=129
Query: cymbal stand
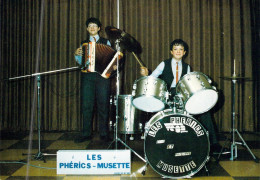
x=116, y=138
x=234, y=143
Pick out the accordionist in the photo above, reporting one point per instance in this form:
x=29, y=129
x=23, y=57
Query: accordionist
x=95, y=88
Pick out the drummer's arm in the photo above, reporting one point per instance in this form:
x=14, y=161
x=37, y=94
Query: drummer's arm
x=158, y=71
x=188, y=70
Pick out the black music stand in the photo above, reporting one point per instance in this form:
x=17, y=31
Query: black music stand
x=234, y=143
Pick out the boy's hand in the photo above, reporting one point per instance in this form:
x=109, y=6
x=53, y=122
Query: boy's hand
x=143, y=71
x=78, y=52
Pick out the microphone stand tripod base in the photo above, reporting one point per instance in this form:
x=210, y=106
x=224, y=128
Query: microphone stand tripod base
x=40, y=156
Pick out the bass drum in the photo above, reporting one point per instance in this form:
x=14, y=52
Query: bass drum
x=176, y=145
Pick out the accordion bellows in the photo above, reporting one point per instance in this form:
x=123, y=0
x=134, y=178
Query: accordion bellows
x=105, y=58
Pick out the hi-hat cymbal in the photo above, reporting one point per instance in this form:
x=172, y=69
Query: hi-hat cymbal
x=235, y=78
x=126, y=40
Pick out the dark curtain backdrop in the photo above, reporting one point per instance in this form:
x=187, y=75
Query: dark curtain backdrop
x=217, y=32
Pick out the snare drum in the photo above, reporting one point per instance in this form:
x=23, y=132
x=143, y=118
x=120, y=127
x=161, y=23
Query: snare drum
x=129, y=116
x=149, y=94
x=197, y=93
x=176, y=145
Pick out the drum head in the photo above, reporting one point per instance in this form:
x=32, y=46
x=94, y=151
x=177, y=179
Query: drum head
x=148, y=104
x=176, y=145
x=202, y=101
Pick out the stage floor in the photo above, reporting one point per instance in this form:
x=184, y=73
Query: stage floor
x=14, y=147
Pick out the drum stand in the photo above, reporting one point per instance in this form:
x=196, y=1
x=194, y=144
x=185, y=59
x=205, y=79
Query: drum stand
x=233, y=149
x=116, y=138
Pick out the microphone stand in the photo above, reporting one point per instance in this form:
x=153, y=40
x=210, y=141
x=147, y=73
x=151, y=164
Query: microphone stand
x=39, y=155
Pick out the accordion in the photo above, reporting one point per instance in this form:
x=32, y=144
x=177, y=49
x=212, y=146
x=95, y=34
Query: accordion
x=99, y=58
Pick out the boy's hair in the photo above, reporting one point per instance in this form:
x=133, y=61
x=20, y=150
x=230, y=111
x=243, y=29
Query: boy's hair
x=93, y=20
x=178, y=42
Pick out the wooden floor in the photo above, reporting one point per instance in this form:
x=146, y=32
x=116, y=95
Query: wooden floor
x=14, y=162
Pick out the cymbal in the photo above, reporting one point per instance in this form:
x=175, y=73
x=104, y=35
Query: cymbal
x=235, y=78
x=126, y=41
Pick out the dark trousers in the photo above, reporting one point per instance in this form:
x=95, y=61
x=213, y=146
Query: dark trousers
x=205, y=119
x=94, y=89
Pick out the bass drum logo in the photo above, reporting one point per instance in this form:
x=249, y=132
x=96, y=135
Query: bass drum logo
x=176, y=145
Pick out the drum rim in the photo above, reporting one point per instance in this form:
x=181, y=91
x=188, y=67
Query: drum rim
x=151, y=77
x=206, y=159
x=130, y=132
x=169, y=110
x=125, y=95
x=193, y=72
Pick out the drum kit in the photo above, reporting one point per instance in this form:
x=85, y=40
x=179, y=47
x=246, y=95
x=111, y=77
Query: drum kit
x=176, y=145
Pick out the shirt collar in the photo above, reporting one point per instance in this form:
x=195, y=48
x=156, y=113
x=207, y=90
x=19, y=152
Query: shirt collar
x=92, y=39
x=175, y=61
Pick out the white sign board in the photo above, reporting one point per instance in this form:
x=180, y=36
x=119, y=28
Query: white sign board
x=94, y=162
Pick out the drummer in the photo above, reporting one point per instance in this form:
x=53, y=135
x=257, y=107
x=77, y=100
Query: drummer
x=171, y=70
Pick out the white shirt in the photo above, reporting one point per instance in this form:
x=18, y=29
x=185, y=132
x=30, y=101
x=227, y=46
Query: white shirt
x=159, y=69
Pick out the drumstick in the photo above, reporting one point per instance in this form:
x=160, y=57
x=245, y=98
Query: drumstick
x=138, y=60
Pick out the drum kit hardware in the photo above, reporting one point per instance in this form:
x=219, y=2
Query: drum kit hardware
x=124, y=123
x=172, y=122
x=125, y=40
x=234, y=143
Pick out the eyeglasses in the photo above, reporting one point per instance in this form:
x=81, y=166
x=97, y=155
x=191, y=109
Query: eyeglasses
x=92, y=25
